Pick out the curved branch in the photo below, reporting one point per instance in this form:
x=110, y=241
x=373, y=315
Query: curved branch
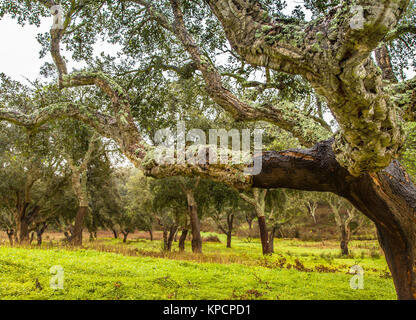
x=55, y=111
x=314, y=169
x=283, y=114
x=127, y=134
x=124, y=130
x=399, y=31
x=363, y=25
x=258, y=39
x=336, y=61
x=125, y=137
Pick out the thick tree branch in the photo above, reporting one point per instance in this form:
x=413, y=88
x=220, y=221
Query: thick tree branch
x=258, y=39
x=57, y=111
x=123, y=129
x=79, y=173
x=314, y=169
x=335, y=58
x=104, y=124
x=283, y=114
x=399, y=31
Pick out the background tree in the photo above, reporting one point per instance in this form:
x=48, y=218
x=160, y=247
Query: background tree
x=226, y=209
x=257, y=199
x=31, y=172
x=344, y=213
x=170, y=210
x=282, y=207
x=141, y=201
x=78, y=145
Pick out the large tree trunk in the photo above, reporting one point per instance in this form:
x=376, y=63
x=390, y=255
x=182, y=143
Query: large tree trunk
x=195, y=225
x=182, y=239
x=76, y=238
x=22, y=228
x=388, y=198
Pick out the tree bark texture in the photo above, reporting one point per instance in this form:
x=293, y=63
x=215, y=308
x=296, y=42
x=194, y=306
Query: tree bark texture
x=182, y=239
x=76, y=238
x=195, y=224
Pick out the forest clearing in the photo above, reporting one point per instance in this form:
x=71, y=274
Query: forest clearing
x=110, y=269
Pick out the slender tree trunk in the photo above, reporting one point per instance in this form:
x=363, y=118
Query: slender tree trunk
x=263, y=234
x=39, y=239
x=249, y=219
x=172, y=233
x=272, y=234
x=76, y=238
x=10, y=234
x=115, y=233
x=229, y=236
x=250, y=224
x=151, y=234
x=195, y=224
x=165, y=239
x=344, y=240
x=39, y=232
x=32, y=236
x=125, y=235
x=182, y=239
x=230, y=219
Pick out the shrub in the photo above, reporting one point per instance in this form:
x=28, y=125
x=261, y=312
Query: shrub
x=211, y=238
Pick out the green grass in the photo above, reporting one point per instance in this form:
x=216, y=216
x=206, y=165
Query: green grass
x=91, y=274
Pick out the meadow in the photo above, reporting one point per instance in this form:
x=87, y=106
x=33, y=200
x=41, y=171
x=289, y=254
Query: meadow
x=110, y=269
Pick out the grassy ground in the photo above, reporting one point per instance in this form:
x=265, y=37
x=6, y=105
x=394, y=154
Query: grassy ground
x=139, y=270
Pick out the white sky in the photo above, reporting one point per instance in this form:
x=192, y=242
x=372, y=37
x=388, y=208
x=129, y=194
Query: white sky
x=19, y=59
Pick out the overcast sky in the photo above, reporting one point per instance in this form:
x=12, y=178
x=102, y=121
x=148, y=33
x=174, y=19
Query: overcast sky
x=20, y=57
